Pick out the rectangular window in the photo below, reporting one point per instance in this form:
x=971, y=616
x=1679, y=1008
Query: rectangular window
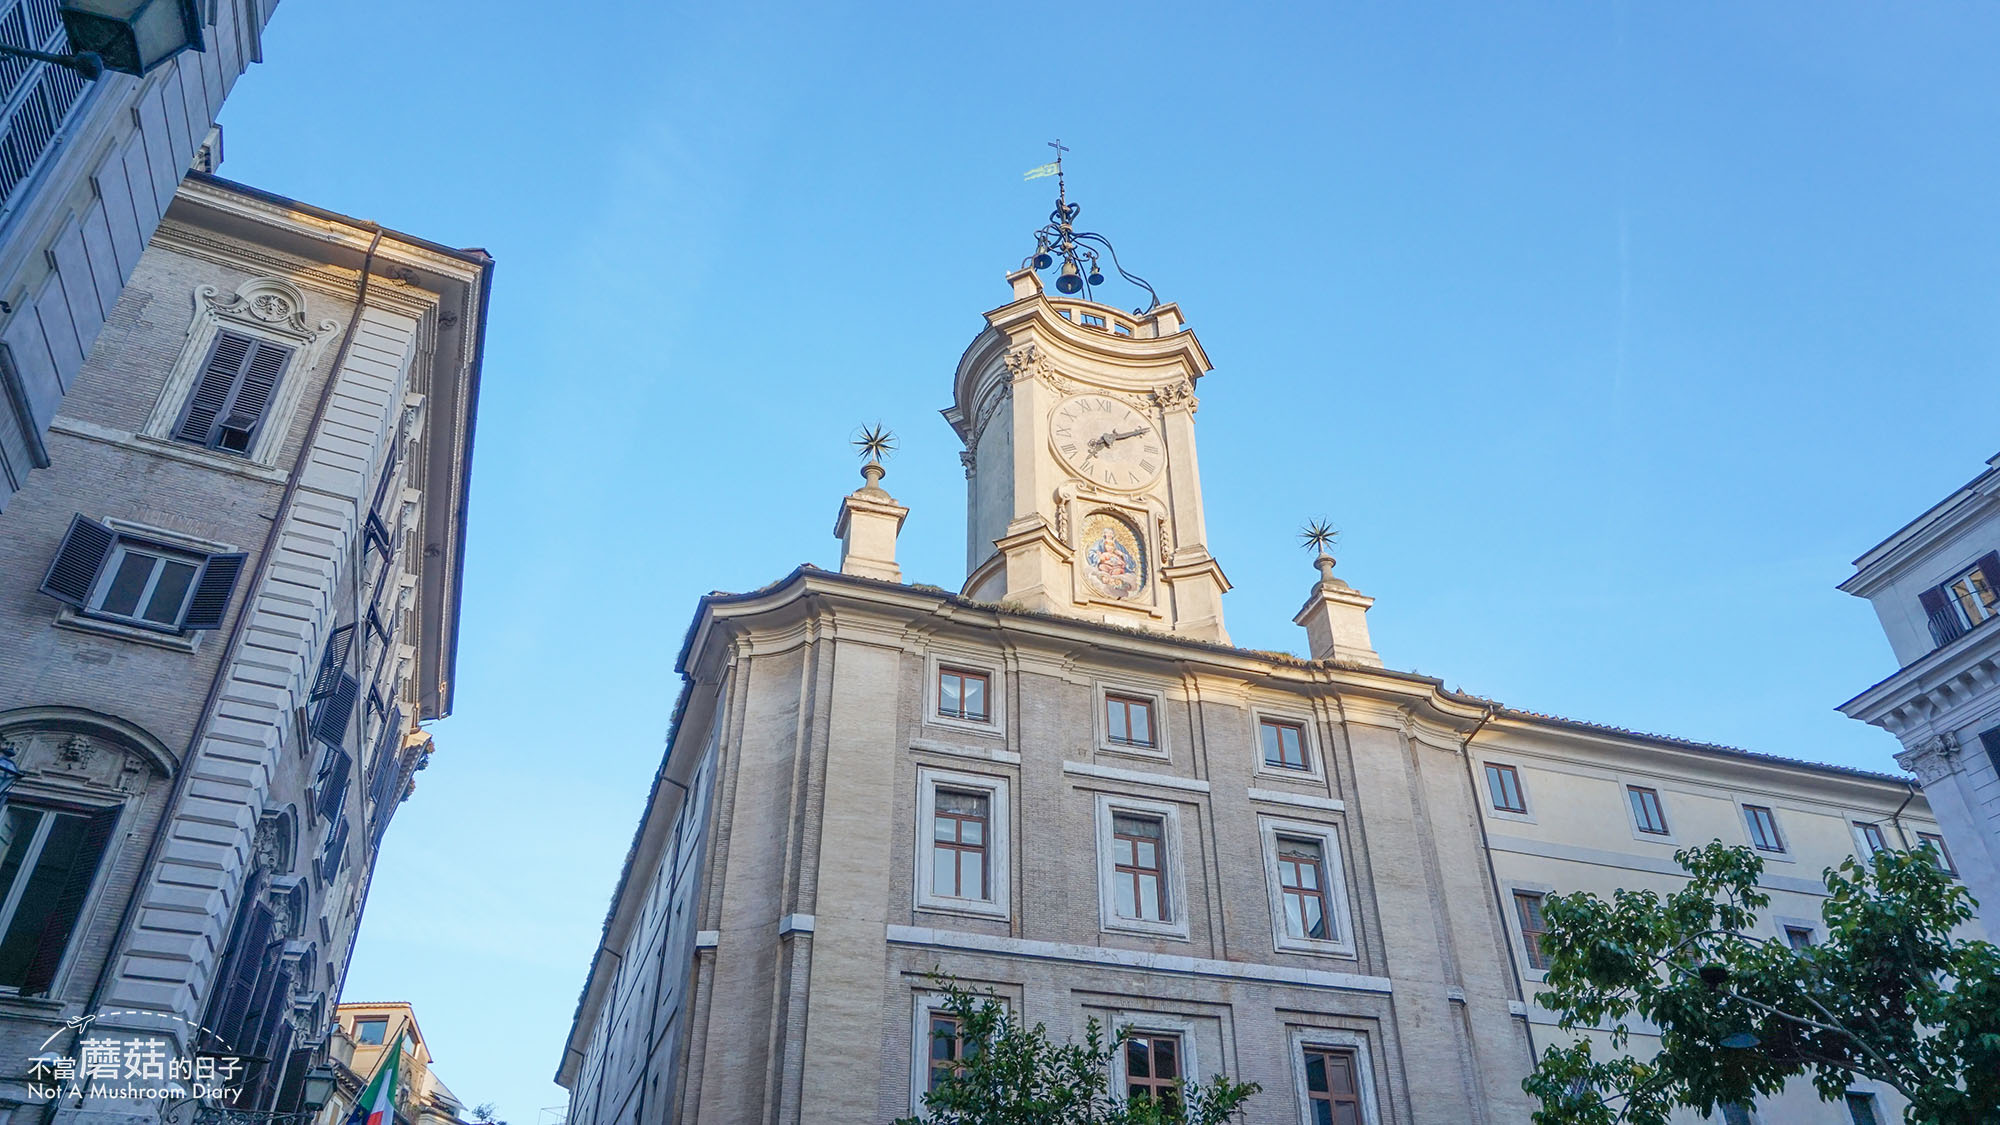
x=1128, y=721
x=1646, y=810
x=1736, y=1113
x=1936, y=843
x=1093, y=320
x=1974, y=596
x=1153, y=1068
x=1333, y=1091
x=1302, y=882
x=1763, y=828
x=1138, y=850
x=1861, y=1109
x=959, y=845
x=108, y=574
x=1528, y=909
x=946, y=1049
x=1503, y=786
x=232, y=394
x=1798, y=937
x=145, y=585
x=1284, y=744
x=371, y=1032
x=50, y=859
x=962, y=694
x=1872, y=840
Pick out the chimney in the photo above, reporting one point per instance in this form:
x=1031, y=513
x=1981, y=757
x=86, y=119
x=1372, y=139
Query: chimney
x=1336, y=620
x=867, y=527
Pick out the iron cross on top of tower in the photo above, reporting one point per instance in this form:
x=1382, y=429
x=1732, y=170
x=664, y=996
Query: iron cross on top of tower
x=1077, y=250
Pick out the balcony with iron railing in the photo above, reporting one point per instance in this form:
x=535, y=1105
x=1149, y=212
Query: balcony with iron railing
x=1951, y=621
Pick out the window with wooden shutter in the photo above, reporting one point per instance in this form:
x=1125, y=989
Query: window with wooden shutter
x=334, y=855
x=79, y=560
x=332, y=663
x=104, y=573
x=378, y=518
x=242, y=971
x=385, y=789
x=52, y=861
x=332, y=714
x=212, y=592
x=233, y=394
x=330, y=787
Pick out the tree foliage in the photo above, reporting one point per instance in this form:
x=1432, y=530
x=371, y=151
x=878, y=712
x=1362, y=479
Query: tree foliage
x=1011, y=1074
x=1888, y=994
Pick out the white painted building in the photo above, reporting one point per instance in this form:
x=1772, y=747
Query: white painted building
x=87, y=170
x=1935, y=586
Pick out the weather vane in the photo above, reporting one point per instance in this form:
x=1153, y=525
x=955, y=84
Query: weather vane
x=875, y=442
x=1319, y=535
x=1077, y=249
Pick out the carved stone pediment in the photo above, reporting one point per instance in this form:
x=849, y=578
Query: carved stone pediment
x=266, y=302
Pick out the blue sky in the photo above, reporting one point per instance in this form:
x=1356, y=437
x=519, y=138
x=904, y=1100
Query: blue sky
x=1607, y=333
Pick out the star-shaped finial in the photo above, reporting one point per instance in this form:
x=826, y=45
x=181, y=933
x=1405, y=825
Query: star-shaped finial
x=875, y=442
x=1319, y=535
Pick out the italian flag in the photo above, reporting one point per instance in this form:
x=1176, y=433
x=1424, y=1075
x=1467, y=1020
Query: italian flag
x=377, y=1104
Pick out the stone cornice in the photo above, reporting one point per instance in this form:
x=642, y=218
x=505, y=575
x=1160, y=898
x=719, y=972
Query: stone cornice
x=1976, y=500
x=1934, y=683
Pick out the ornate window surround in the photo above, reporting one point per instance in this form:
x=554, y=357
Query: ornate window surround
x=265, y=308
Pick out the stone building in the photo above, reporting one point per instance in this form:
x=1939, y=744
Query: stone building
x=1064, y=784
x=229, y=600
x=87, y=169
x=360, y=1040
x=1935, y=585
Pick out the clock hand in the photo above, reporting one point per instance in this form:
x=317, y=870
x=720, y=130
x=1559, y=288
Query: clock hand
x=1109, y=438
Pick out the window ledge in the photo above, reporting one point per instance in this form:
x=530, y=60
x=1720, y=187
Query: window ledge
x=1133, y=750
x=964, y=908
x=68, y=618
x=1172, y=931
x=1316, y=948
x=981, y=753
x=170, y=449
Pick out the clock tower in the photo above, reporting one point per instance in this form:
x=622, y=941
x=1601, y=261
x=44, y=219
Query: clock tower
x=1084, y=496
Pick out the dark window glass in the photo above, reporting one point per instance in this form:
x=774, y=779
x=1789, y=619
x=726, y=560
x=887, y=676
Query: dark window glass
x=1138, y=867
x=1736, y=1114
x=1153, y=1067
x=1302, y=885
x=1128, y=720
x=1284, y=744
x=958, y=844
x=1763, y=828
x=1646, y=810
x=947, y=1049
x=371, y=1032
x=1861, y=1109
x=962, y=694
x=146, y=585
x=1332, y=1091
x=1528, y=909
x=1503, y=785
x=1871, y=836
x=1943, y=853
x=41, y=846
x=1798, y=937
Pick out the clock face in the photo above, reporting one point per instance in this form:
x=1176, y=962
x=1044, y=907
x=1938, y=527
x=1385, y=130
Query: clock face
x=1107, y=442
